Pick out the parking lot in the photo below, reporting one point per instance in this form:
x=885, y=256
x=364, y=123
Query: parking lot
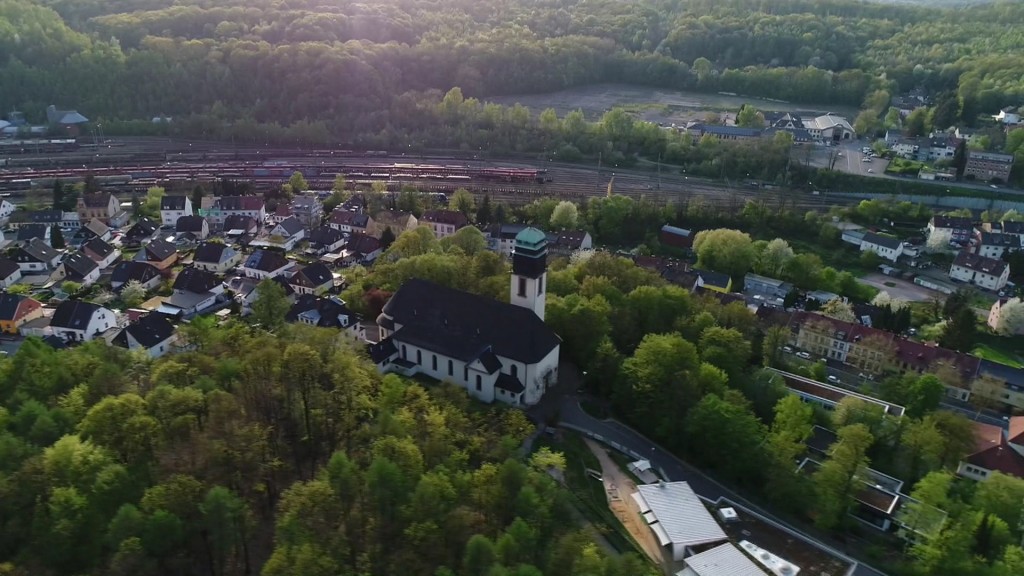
x=901, y=289
x=9, y=345
x=850, y=159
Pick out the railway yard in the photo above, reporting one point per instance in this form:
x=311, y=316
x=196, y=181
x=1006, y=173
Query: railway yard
x=29, y=168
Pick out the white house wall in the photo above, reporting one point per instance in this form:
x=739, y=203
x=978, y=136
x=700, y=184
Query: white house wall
x=534, y=379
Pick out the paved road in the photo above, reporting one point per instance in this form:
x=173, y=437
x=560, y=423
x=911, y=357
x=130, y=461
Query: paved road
x=564, y=404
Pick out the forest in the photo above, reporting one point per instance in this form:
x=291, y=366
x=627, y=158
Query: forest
x=275, y=454
x=345, y=66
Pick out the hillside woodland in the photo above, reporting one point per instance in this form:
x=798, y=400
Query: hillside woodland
x=351, y=68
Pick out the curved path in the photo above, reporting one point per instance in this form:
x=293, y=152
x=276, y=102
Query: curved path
x=566, y=405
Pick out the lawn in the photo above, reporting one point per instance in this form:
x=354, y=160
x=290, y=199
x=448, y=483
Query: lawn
x=1001, y=350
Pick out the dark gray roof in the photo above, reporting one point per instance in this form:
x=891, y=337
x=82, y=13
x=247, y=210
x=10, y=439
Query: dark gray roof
x=325, y=236
x=462, y=325
x=713, y=278
x=144, y=228
x=189, y=224
x=979, y=263
x=159, y=250
x=490, y=361
x=241, y=203
x=36, y=250
x=96, y=200
x=510, y=383
x=44, y=216
x=1008, y=374
x=131, y=270
x=210, y=252
x=77, y=266
x=98, y=247
x=266, y=261
x=30, y=231
x=313, y=275
x=382, y=350
x=1013, y=227
x=363, y=244
x=327, y=311
x=348, y=218
x=239, y=222
x=291, y=226
x=954, y=222
x=195, y=280
x=9, y=304
x=7, y=267
x=727, y=130
x=74, y=314
x=148, y=331
x=173, y=202
x=94, y=228
x=996, y=239
x=880, y=240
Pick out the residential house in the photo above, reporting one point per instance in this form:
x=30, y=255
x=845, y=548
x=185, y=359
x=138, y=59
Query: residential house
x=1007, y=116
x=17, y=309
x=715, y=281
x=78, y=267
x=140, y=233
x=80, y=321
x=960, y=229
x=102, y=253
x=495, y=350
x=830, y=127
x=65, y=220
x=160, y=253
x=323, y=313
x=351, y=222
x=226, y=206
x=770, y=288
x=103, y=206
x=195, y=291
x=999, y=383
x=987, y=273
x=325, y=239
x=502, y=238
x=678, y=518
x=444, y=222
x=196, y=226
x=1013, y=228
x=215, y=257
x=6, y=209
x=131, y=271
x=10, y=273
x=396, y=220
x=907, y=148
x=994, y=452
x=995, y=312
x=174, y=207
x=284, y=235
x=942, y=147
x=308, y=209
x=885, y=246
x=281, y=212
x=29, y=232
x=240, y=225
x=94, y=229
x=246, y=291
x=153, y=333
x=868, y=349
x=361, y=249
x=36, y=256
x=676, y=237
x=994, y=244
x=312, y=279
x=969, y=135
x=263, y=264
x=566, y=242
x=988, y=166
x=892, y=137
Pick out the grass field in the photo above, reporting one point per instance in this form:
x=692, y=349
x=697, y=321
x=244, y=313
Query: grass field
x=1000, y=352
x=652, y=104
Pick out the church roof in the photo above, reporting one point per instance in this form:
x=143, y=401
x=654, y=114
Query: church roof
x=464, y=326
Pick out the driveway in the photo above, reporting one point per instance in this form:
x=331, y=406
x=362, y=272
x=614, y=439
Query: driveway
x=900, y=288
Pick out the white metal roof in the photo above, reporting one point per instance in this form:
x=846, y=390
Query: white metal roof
x=681, y=513
x=641, y=503
x=724, y=560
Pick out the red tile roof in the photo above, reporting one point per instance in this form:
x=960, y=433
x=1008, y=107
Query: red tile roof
x=1000, y=458
x=1016, y=432
x=925, y=358
x=986, y=436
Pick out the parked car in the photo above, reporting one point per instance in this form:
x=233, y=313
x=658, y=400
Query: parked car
x=787, y=349
x=804, y=355
x=833, y=379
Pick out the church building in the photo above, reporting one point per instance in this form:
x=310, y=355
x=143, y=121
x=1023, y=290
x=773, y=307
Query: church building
x=496, y=351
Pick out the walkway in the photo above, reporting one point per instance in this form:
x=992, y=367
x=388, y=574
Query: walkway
x=624, y=438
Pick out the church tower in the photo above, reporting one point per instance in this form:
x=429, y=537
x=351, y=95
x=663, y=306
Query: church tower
x=530, y=270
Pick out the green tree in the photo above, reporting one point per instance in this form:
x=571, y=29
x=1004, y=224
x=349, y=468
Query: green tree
x=469, y=239
x=749, y=117
x=197, y=197
x=736, y=452
x=298, y=183
x=836, y=480
x=484, y=212
x=773, y=258
x=133, y=293
x=271, y=305
x=480, y=556
x=122, y=424
x=564, y=216
x=387, y=238
x=462, y=201
x=961, y=330
x=725, y=348
x=583, y=323
x=57, y=200
x=71, y=288
x=225, y=522
x=724, y=250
